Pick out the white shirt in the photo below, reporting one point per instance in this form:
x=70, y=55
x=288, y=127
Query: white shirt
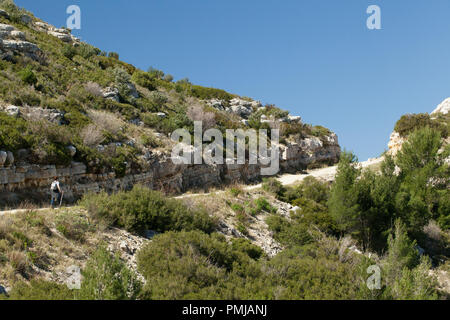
x=55, y=185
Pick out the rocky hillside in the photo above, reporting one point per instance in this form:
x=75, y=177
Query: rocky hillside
x=69, y=109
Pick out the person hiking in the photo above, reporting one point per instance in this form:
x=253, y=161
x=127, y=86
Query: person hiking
x=56, y=192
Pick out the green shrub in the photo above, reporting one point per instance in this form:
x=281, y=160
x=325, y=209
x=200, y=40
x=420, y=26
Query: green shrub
x=262, y=204
x=113, y=55
x=144, y=79
x=144, y=209
x=13, y=133
x=236, y=207
x=274, y=187
x=22, y=240
x=319, y=131
x=410, y=122
x=106, y=277
x=68, y=51
x=39, y=290
x=27, y=75
x=210, y=93
x=72, y=225
x=244, y=245
x=193, y=265
x=235, y=191
x=288, y=233
x=86, y=51
x=155, y=73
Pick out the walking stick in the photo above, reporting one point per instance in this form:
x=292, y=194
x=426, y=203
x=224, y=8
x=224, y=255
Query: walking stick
x=60, y=201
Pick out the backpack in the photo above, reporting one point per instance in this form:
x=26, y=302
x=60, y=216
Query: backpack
x=54, y=186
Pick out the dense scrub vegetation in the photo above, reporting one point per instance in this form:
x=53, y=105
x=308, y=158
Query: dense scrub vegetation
x=410, y=122
x=144, y=209
x=386, y=213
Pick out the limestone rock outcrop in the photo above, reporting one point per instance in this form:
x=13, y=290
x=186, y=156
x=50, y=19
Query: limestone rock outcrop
x=60, y=33
x=395, y=143
x=242, y=108
x=311, y=151
x=13, y=41
x=443, y=107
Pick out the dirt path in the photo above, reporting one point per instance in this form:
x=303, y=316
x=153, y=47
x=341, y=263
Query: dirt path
x=327, y=174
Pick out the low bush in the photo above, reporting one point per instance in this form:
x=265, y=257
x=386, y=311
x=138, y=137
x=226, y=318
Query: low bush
x=193, y=265
x=72, y=225
x=27, y=75
x=143, y=209
x=106, y=277
x=144, y=79
x=261, y=204
x=39, y=290
x=410, y=122
x=274, y=187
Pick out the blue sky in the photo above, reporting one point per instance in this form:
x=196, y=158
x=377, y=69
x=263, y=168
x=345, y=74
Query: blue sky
x=315, y=58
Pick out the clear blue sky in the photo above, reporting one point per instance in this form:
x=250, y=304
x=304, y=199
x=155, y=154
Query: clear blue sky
x=315, y=58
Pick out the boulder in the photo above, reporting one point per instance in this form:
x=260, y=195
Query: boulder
x=241, y=110
x=256, y=104
x=23, y=154
x=72, y=150
x=62, y=30
x=4, y=14
x=294, y=119
x=21, y=46
x=133, y=91
x=443, y=108
x=16, y=34
x=3, y=290
x=61, y=36
x=6, y=27
x=13, y=111
x=149, y=234
x=111, y=93
x=26, y=19
x=3, y=156
x=42, y=25
x=38, y=113
x=9, y=159
x=217, y=104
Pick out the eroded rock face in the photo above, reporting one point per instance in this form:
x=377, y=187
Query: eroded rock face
x=159, y=172
x=12, y=40
x=310, y=151
x=4, y=14
x=443, y=107
x=395, y=143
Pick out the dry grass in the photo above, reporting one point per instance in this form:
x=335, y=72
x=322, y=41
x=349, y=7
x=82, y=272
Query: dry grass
x=433, y=231
x=196, y=112
x=31, y=245
x=92, y=136
x=106, y=121
x=94, y=88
